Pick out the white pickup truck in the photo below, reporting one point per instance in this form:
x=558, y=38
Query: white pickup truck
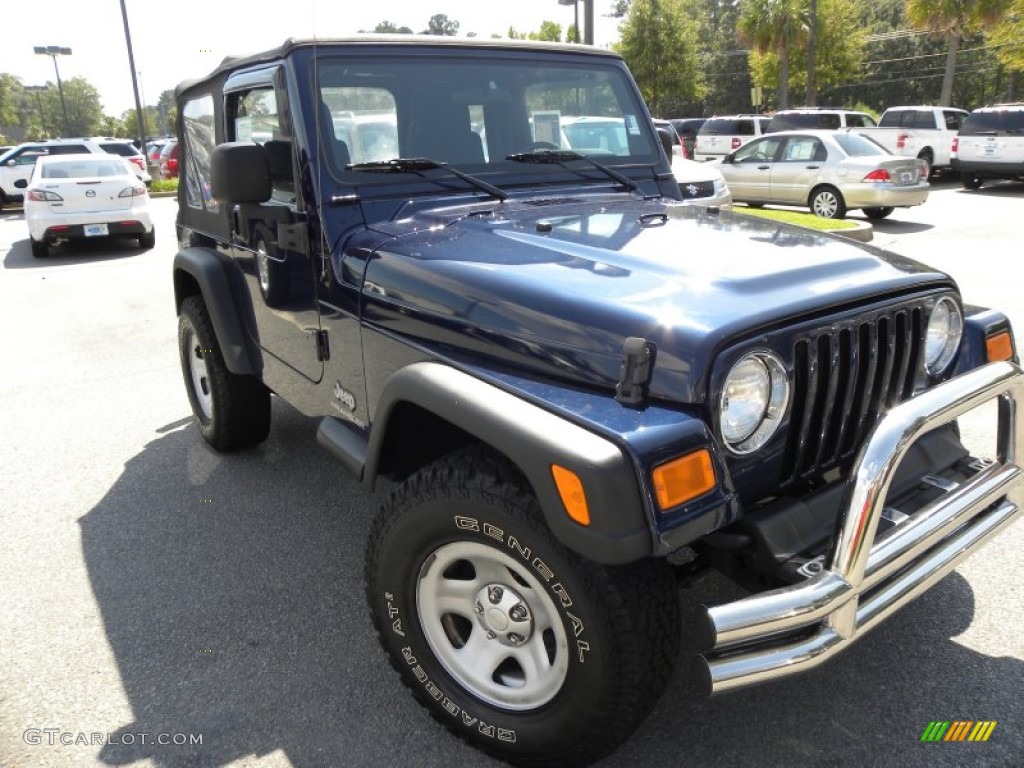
x=924, y=132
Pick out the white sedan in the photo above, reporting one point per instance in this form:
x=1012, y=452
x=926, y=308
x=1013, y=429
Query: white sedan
x=830, y=172
x=81, y=197
x=701, y=183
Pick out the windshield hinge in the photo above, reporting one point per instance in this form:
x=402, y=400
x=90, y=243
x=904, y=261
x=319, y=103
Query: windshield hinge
x=637, y=367
x=292, y=237
x=323, y=348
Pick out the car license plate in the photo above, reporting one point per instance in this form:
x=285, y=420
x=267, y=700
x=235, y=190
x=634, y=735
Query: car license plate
x=907, y=177
x=96, y=230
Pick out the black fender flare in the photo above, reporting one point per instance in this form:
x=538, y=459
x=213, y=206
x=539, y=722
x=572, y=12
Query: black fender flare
x=533, y=438
x=225, y=300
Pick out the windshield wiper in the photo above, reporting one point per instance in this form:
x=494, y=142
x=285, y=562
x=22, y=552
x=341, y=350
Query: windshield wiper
x=414, y=164
x=563, y=156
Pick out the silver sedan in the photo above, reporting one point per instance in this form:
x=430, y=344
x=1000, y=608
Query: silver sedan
x=830, y=172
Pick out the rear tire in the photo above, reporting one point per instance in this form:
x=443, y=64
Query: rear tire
x=878, y=213
x=232, y=410
x=516, y=644
x=147, y=240
x=970, y=180
x=828, y=203
x=40, y=249
x=928, y=158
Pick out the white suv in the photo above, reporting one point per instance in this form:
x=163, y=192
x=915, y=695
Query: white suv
x=721, y=134
x=990, y=145
x=819, y=118
x=17, y=163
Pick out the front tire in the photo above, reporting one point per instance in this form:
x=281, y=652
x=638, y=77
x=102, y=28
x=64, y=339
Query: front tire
x=232, y=410
x=518, y=645
x=828, y=203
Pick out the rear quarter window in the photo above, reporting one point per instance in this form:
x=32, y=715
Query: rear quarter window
x=997, y=123
x=723, y=127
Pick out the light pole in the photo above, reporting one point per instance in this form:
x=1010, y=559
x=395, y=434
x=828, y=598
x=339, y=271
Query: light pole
x=135, y=83
x=588, y=18
x=37, y=89
x=53, y=51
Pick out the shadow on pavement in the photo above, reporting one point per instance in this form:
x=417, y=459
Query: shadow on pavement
x=239, y=615
x=998, y=189
x=80, y=252
x=897, y=227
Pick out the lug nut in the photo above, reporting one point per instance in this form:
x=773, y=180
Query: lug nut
x=494, y=594
x=519, y=613
x=515, y=639
x=490, y=634
x=478, y=608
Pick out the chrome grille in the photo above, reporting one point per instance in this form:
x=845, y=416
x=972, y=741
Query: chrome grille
x=844, y=377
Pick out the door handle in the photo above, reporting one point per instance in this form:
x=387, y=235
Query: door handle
x=812, y=167
x=763, y=167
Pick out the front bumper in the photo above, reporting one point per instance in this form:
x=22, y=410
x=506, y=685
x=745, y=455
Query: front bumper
x=866, y=578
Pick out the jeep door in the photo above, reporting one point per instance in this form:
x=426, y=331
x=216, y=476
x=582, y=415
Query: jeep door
x=269, y=241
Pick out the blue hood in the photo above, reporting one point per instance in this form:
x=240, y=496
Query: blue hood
x=555, y=287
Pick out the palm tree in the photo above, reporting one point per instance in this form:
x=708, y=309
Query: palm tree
x=953, y=19
x=775, y=26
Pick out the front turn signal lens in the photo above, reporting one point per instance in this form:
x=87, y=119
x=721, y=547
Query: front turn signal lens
x=682, y=479
x=570, y=488
x=999, y=346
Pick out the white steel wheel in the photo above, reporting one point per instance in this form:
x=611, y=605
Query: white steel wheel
x=199, y=376
x=492, y=626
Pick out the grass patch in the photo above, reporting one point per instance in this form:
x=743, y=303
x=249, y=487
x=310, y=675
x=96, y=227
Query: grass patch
x=164, y=185
x=801, y=219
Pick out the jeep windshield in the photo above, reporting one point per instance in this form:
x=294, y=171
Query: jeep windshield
x=478, y=114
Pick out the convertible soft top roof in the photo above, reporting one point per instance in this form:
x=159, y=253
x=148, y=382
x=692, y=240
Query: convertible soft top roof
x=422, y=41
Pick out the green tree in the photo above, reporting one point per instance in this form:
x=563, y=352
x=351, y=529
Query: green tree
x=549, y=31
x=10, y=91
x=572, y=35
x=659, y=43
x=953, y=20
x=1008, y=40
x=440, y=24
x=838, y=53
x=774, y=26
x=390, y=28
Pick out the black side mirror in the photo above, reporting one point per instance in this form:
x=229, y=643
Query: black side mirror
x=21, y=183
x=666, y=142
x=240, y=173
x=728, y=160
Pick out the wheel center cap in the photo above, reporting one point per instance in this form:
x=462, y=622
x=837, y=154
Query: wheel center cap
x=503, y=615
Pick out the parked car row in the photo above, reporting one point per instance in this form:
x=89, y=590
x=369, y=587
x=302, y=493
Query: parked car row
x=985, y=144
x=17, y=163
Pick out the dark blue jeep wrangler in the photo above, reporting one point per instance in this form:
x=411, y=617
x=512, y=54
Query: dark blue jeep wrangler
x=470, y=262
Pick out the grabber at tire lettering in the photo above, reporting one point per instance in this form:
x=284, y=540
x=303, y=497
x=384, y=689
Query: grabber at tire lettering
x=512, y=641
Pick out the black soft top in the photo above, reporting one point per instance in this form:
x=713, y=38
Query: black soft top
x=231, y=63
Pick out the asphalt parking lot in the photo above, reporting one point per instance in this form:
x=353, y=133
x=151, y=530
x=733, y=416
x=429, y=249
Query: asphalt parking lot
x=151, y=588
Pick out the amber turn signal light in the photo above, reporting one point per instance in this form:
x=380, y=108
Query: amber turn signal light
x=999, y=346
x=570, y=488
x=682, y=479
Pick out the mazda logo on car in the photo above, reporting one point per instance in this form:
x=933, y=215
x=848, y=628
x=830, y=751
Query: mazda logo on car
x=90, y=193
x=692, y=190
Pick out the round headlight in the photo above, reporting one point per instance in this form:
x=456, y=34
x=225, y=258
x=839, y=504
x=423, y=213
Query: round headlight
x=754, y=398
x=945, y=328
